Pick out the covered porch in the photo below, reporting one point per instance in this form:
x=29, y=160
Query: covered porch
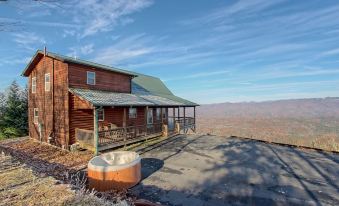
x=131, y=119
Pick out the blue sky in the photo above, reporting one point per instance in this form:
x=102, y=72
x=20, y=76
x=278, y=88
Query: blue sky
x=206, y=51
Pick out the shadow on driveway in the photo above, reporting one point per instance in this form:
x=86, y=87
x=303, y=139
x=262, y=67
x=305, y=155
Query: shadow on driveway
x=212, y=170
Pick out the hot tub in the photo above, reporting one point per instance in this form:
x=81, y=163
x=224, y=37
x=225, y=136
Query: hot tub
x=114, y=170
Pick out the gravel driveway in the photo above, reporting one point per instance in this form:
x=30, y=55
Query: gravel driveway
x=211, y=170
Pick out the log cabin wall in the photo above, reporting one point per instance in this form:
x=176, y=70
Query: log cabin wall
x=83, y=118
x=105, y=80
x=52, y=105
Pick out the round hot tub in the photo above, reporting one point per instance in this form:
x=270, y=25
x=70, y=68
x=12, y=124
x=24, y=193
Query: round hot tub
x=114, y=170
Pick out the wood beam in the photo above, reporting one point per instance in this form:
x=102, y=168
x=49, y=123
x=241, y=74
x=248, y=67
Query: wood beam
x=194, y=119
x=96, y=130
x=124, y=118
x=185, y=120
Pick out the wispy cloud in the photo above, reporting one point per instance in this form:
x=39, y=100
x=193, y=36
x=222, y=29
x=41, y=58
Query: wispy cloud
x=199, y=75
x=330, y=52
x=125, y=49
x=28, y=40
x=97, y=16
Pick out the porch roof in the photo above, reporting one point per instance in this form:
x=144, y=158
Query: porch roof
x=107, y=98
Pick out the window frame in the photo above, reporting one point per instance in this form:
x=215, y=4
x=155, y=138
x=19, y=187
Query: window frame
x=94, y=78
x=164, y=113
x=135, y=113
x=47, y=89
x=150, y=116
x=103, y=115
x=35, y=117
x=34, y=85
x=158, y=113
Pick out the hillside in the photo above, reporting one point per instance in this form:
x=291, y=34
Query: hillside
x=303, y=122
x=295, y=108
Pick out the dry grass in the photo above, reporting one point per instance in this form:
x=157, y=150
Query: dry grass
x=33, y=173
x=46, y=159
x=19, y=186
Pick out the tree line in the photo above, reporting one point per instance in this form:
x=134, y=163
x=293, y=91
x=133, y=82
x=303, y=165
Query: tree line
x=13, y=111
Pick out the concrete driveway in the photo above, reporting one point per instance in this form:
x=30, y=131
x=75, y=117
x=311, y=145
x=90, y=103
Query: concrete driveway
x=210, y=170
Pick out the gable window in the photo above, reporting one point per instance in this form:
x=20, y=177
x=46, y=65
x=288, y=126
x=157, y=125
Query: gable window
x=132, y=113
x=101, y=114
x=91, y=78
x=164, y=113
x=150, y=116
x=36, y=116
x=33, y=84
x=158, y=113
x=47, y=82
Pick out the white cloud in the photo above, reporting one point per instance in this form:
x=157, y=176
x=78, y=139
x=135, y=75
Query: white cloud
x=81, y=50
x=87, y=49
x=29, y=40
x=125, y=49
x=199, y=75
x=330, y=52
x=97, y=16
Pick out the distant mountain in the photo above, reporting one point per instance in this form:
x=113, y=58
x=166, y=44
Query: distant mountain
x=294, y=108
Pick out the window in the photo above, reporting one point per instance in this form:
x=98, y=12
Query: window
x=101, y=114
x=164, y=113
x=47, y=82
x=150, y=116
x=158, y=112
x=33, y=84
x=132, y=113
x=36, y=116
x=91, y=78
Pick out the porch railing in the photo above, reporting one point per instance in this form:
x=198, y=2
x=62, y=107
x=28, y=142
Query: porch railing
x=123, y=134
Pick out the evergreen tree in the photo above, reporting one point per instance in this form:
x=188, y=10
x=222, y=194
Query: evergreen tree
x=2, y=108
x=14, y=117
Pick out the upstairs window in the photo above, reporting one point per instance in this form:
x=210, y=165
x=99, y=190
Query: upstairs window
x=33, y=84
x=36, y=116
x=91, y=78
x=132, y=113
x=158, y=113
x=101, y=114
x=47, y=82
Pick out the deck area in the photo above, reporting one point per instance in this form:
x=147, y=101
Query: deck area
x=109, y=138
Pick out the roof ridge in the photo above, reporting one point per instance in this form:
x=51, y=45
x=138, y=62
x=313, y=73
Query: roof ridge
x=91, y=63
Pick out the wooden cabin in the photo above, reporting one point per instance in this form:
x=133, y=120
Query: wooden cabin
x=74, y=101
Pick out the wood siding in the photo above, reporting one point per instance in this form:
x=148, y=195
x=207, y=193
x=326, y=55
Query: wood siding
x=105, y=80
x=52, y=105
x=84, y=119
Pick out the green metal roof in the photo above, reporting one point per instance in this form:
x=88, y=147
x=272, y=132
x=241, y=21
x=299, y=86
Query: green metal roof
x=107, y=98
x=144, y=84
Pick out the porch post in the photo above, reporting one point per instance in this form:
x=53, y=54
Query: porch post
x=96, y=129
x=194, y=118
x=161, y=117
x=185, y=120
x=146, y=112
x=124, y=118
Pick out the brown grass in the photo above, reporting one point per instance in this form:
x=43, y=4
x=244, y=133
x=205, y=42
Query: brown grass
x=26, y=177
x=19, y=186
